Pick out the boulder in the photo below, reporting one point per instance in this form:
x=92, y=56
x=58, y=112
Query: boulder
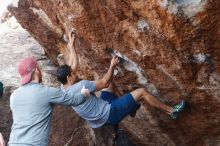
x=170, y=47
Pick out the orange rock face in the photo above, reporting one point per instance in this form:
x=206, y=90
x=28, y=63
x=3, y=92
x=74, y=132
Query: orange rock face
x=171, y=48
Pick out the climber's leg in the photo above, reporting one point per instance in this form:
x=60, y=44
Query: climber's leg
x=122, y=107
x=141, y=94
x=112, y=93
x=115, y=89
x=108, y=94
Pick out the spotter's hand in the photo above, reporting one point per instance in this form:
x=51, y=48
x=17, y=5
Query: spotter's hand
x=85, y=91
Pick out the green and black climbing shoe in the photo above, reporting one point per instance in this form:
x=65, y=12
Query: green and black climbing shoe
x=177, y=109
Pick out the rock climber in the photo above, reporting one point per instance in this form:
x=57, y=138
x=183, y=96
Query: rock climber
x=107, y=108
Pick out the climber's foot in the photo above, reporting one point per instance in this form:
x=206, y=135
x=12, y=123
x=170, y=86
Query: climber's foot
x=177, y=109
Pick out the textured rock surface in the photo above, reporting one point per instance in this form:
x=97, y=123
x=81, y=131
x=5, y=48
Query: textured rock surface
x=171, y=48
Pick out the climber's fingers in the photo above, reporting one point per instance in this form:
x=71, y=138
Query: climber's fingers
x=115, y=60
x=72, y=38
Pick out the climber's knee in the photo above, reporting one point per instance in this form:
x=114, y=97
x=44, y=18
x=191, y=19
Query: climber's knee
x=138, y=94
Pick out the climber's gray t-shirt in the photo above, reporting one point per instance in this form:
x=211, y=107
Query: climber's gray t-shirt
x=94, y=110
x=32, y=106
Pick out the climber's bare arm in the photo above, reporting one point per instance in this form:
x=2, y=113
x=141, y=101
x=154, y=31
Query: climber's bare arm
x=73, y=58
x=106, y=80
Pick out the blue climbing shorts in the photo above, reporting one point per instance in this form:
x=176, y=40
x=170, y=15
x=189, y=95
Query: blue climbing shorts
x=120, y=107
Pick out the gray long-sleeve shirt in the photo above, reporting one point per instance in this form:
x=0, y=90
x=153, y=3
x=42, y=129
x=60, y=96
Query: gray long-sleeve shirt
x=31, y=107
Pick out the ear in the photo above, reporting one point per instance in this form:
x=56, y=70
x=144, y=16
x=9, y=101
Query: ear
x=38, y=71
x=68, y=78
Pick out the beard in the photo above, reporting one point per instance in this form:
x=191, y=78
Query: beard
x=40, y=80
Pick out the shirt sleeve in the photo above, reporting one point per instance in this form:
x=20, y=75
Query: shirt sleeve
x=89, y=85
x=57, y=96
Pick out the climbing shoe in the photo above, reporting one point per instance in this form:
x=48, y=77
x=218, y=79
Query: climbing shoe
x=177, y=109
